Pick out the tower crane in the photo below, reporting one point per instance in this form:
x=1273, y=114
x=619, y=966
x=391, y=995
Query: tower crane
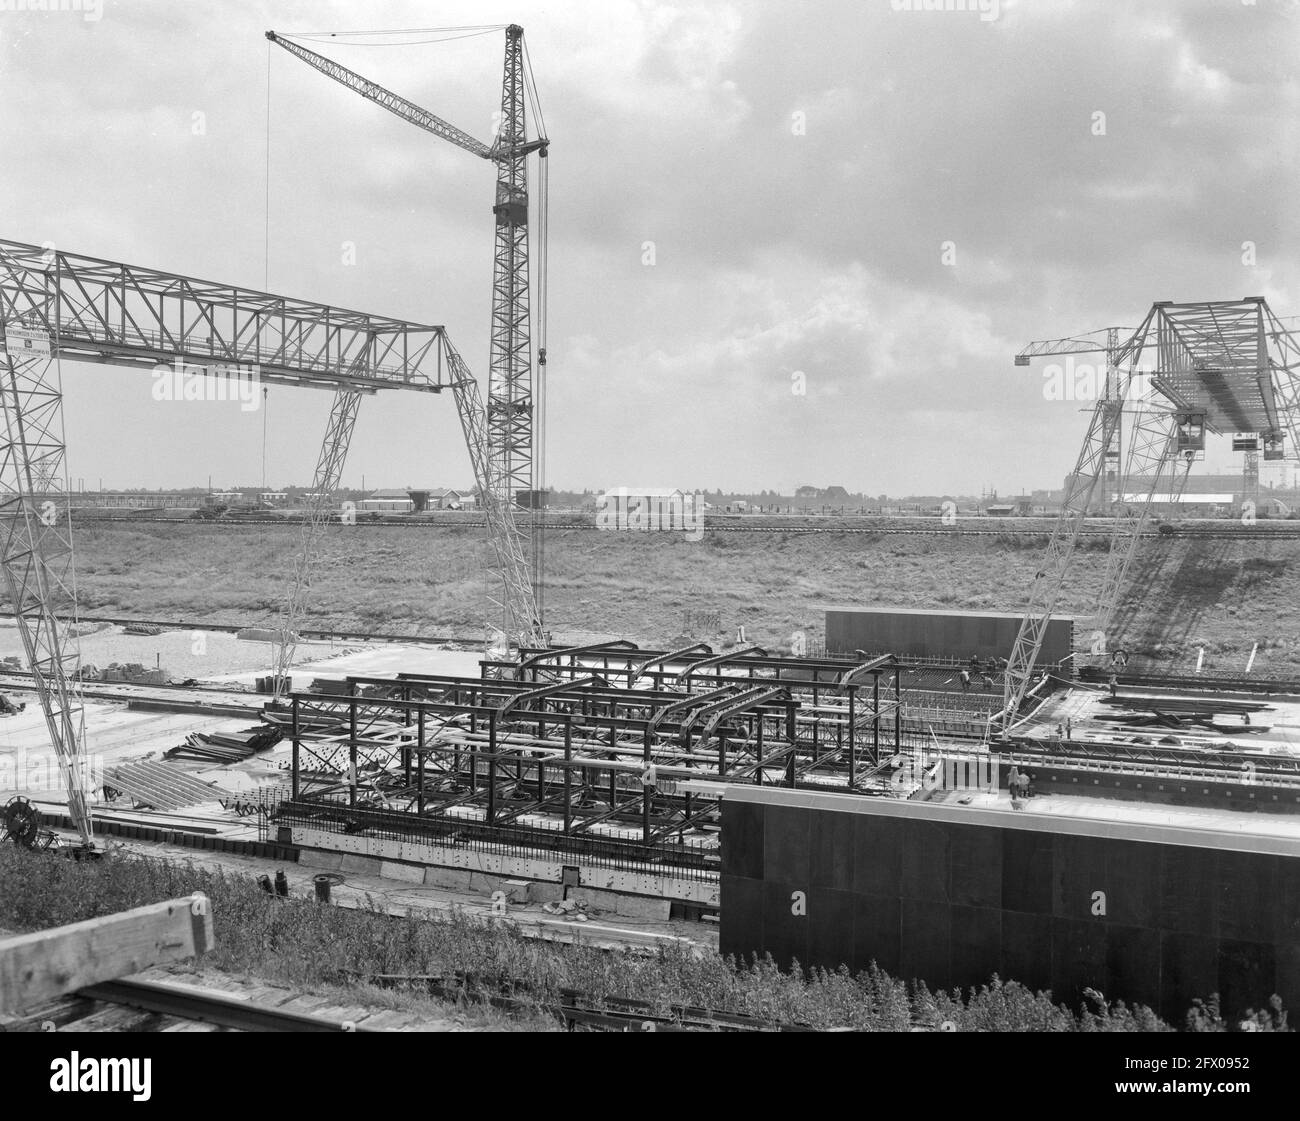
x=511, y=466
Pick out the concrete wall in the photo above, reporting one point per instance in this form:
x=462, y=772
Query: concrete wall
x=951, y=895
x=959, y=634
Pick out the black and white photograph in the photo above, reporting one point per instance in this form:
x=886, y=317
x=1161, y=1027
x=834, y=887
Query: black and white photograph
x=650, y=516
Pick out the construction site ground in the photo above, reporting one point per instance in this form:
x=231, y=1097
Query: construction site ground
x=1186, y=595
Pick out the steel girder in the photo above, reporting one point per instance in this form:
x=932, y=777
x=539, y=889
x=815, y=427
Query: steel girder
x=105, y=311
x=325, y=483
x=35, y=520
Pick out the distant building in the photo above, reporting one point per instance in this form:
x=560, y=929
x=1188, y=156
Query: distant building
x=1000, y=510
x=808, y=492
x=387, y=502
x=435, y=498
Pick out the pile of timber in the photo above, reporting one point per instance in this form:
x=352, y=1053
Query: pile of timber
x=142, y=628
x=226, y=747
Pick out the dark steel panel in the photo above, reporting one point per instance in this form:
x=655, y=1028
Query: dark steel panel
x=1132, y=965
x=950, y=904
x=926, y=851
x=975, y=866
x=877, y=923
x=1189, y=968
x=833, y=857
x=1078, y=870
x=877, y=855
x=1027, y=872
x=830, y=926
x=1286, y=927
x=785, y=935
x=786, y=853
x=990, y=635
x=741, y=901
x=1246, y=895
x=1132, y=883
x=1188, y=891
x=1078, y=958
x=925, y=933
x=975, y=944
x=742, y=828
x=1026, y=949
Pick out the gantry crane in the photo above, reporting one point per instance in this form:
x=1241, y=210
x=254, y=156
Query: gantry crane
x=515, y=399
x=56, y=304
x=1219, y=365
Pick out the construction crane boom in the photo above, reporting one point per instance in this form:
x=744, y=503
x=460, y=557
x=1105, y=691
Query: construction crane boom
x=393, y=102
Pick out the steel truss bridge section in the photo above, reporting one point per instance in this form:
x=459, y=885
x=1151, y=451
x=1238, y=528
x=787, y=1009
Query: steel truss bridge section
x=1231, y=366
x=105, y=311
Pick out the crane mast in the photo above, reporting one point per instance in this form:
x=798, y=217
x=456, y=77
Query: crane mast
x=508, y=472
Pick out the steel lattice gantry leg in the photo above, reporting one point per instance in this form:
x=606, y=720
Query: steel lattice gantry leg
x=320, y=508
x=37, y=557
x=510, y=590
x=1151, y=463
x=510, y=372
x=1060, y=549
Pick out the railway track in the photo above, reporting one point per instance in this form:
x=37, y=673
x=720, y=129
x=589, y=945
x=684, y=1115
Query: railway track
x=140, y=1005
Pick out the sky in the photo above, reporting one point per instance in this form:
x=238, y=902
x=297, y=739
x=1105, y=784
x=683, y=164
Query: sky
x=789, y=244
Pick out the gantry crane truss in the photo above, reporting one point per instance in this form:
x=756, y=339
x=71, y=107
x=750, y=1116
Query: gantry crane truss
x=57, y=304
x=1221, y=366
x=515, y=404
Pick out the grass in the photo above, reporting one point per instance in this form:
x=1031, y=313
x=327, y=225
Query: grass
x=1223, y=596
x=306, y=945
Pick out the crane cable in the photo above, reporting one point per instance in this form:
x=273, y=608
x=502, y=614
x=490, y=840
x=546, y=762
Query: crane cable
x=539, y=390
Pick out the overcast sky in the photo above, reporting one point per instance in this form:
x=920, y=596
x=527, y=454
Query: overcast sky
x=887, y=202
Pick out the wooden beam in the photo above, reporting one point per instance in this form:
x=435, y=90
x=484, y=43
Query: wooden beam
x=43, y=965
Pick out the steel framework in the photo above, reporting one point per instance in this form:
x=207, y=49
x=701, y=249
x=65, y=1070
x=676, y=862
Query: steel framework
x=36, y=522
x=1232, y=364
x=582, y=764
